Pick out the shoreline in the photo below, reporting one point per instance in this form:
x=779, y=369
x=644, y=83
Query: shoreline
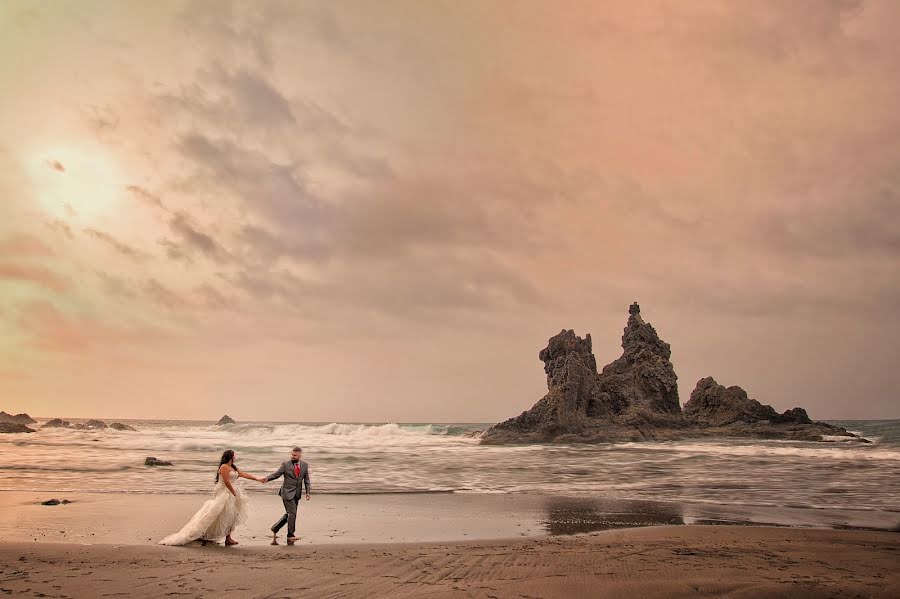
x=671, y=561
x=327, y=520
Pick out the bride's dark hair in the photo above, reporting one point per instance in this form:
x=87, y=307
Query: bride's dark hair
x=226, y=457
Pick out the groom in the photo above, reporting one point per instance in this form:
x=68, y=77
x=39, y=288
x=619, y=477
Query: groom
x=295, y=472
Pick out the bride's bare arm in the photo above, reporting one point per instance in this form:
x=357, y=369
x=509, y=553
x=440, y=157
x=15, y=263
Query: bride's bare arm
x=243, y=474
x=224, y=475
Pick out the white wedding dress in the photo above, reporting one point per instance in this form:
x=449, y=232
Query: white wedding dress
x=217, y=518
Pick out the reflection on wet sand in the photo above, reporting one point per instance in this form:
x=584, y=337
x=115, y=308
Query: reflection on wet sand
x=571, y=515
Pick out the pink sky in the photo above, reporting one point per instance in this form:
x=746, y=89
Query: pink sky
x=382, y=211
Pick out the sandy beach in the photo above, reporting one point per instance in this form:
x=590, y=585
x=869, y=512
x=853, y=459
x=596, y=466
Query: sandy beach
x=103, y=545
x=684, y=561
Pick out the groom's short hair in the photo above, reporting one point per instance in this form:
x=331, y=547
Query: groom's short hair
x=300, y=449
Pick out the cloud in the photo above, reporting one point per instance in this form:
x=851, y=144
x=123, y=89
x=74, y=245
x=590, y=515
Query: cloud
x=119, y=246
x=116, y=286
x=280, y=284
x=23, y=245
x=441, y=288
x=60, y=226
x=267, y=245
x=263, y=185
x=258, y=101
x=861, y=226
x=34, y=275
x=809, y=34
x=237, y=28
x=51, y=330
x=164, y=296
x=213, y=299
x=66, y=331
x=146, y=197
x=101, y=119
x=193, y=240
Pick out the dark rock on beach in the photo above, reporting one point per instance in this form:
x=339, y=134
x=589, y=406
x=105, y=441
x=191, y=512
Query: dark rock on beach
x=57, y=423
x=12, y=427
x=118, y=426
x=635, y=398
x=56, y=502
x=226, y=419
x=150, y=461
x=17, y=418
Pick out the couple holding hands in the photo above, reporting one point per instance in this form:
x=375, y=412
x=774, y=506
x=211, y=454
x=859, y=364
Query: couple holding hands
x=230, y=506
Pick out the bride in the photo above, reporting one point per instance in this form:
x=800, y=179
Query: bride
x=219, y=516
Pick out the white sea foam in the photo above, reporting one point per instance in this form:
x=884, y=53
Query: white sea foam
x=368, y=430
x=845, y=451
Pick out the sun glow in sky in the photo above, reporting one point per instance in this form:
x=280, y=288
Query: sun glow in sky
x=72, y=182
x=382, y=210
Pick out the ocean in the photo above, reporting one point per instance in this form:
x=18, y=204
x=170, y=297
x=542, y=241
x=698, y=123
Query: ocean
x=390, y=458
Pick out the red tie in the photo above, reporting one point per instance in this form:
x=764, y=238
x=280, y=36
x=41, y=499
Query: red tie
x=297, y=470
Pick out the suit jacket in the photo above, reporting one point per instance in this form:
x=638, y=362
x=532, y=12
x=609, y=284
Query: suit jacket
x=292, y=485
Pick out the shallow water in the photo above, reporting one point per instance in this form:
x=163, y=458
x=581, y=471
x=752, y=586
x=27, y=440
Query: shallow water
x=423, y=458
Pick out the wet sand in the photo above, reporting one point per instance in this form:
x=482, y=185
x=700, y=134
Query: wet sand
x=682, y=561
x=136, y=519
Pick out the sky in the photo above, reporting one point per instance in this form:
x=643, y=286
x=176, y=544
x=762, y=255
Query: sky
x=381, y=211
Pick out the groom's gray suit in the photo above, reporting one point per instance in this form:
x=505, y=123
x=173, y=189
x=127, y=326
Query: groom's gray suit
x=290, y=491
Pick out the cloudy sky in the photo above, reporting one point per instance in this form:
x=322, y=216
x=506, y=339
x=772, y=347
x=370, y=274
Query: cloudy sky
x=382, y=210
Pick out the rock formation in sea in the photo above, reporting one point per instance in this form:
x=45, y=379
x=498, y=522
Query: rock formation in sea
x=729, y=412
x=17, y=418
x=711, y=404
x=226, y=419
x=91, y=425
x=635, y=398
x=14, y=427
x=118, y=426
x=151, y=461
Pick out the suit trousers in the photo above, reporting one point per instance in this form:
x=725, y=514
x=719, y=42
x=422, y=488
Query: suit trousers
x=290, y=516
